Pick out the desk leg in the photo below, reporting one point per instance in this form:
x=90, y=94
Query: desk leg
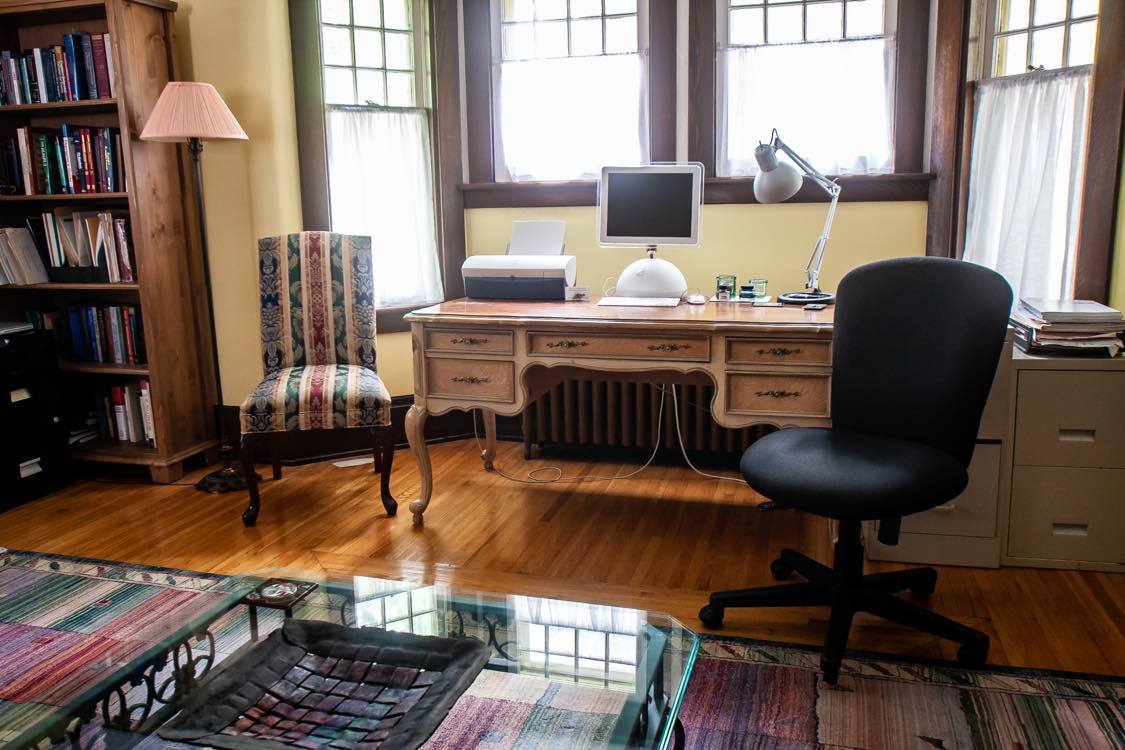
x=416, y=436
x=489, y=453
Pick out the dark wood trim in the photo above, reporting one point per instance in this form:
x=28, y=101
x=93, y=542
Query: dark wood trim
x=308, y=95
x=390, y=320
x=947, y=117
x=717, y=190
x=478, y=88
x=662, y=80
x=1103, y=158
x=911, y=47
x=701, y=83
x=446, y=83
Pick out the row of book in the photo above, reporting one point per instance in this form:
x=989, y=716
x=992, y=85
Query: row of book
x=20, y=262
x=111, y=334
x=68, y=160
x=88, y=239
x=1074, y=327
x=81, y=67
x=121, y=412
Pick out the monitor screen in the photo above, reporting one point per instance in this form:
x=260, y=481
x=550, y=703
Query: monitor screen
x=650, y=205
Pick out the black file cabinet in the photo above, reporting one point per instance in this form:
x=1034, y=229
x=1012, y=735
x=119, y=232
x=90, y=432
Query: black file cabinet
x=33, y=455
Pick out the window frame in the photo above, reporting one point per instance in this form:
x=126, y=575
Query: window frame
x=444, y=107
x=989, y=31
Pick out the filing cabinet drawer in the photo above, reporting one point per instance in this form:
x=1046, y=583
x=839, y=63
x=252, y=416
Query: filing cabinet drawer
x=793, y=395
x=1068, y=514
x=688, y=348
x=469, y=341
x=774, y=351
x=474, y=379
x=1071, y=418
x=973, y=512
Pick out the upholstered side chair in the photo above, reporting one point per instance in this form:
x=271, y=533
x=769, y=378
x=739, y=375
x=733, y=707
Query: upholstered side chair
x=318, y=352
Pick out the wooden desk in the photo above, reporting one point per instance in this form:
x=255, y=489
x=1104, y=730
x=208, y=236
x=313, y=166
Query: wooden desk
x=768, y=364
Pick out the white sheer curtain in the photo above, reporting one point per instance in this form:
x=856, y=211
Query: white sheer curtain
x=1025, y=179
x=381, y=185
x=563, y=119
x=829, y=100
x=543, y=611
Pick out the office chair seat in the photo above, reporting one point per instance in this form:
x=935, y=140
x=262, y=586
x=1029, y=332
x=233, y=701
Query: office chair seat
x=850, y=475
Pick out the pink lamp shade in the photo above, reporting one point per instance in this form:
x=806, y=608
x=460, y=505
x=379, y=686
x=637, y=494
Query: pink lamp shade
x=188, y=109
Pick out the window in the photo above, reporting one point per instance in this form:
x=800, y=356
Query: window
x=397, y=606
x=568, y=87
x=1043, y=35
x=820, y=71
x=379, y=158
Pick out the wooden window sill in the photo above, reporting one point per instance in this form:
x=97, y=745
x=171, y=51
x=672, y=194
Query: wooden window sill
x=717, y=190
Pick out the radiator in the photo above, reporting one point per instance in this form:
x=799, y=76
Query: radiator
x=599, y=413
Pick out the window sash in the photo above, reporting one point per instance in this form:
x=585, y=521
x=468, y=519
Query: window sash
x=993, y=34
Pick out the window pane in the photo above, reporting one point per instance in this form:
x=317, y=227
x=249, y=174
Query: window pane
x=550, y=39
x=1011, y=55
x=368, y=48
x=746, y=26
x=586, y=37
x=398, y=51
x=824, y=21
x=621, y=34
x=784, y=24
x=334, y=11
x=370, y=87
x=339, y=88
x=396, y=14
x=1049, y=11
x=591, y=644
x=1080, y=8
x=337, y=46
x=550, y=10
x=1012, y=14
x=1047, y=47
x=585, y=8
x=1082, y=37
x=623, y=648
x=561, y=640
x=366, y=12
x=518, y=10
x=620, y=6
x=400, y=89
x=865, y=17
x=518, y=41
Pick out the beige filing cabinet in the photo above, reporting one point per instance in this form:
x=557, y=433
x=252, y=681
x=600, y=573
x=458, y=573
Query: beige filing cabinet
x=966, y=530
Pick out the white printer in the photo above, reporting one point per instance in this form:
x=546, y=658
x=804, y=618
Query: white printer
x=534, y=267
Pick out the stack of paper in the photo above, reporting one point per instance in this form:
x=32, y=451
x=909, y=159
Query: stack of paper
x=1071, y=326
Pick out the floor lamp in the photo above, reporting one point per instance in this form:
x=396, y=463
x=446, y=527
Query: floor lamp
x=194, y=112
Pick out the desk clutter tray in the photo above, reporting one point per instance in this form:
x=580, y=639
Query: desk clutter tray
x=321, y=685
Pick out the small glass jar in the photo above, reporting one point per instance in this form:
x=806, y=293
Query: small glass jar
x=725, y=280
x=757, y=288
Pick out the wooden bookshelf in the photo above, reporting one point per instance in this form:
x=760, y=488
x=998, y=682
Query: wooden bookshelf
x=169, y=266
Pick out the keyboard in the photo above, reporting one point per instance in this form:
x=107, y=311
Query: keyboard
x=638, y=301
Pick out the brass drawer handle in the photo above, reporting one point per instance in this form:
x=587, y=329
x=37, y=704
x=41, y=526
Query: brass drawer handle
x=468, y=340
x=567, y=344
x=778, y=394
x=470, y=379
x=779, y=351
x=667, y=347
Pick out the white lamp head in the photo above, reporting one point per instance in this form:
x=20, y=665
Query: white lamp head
x=778, y=180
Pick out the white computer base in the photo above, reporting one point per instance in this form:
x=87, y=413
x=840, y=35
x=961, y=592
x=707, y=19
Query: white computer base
x=651, y=277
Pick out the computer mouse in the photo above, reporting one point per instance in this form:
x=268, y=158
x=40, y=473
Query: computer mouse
x=696, y=299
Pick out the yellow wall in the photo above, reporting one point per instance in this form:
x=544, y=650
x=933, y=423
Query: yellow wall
x=1117, y=274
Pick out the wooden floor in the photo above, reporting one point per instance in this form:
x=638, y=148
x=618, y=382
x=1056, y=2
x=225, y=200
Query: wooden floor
x=661, y=541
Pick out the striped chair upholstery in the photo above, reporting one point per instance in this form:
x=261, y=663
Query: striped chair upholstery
x=318, y=336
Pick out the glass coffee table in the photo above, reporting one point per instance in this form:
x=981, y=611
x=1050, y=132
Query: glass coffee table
x=559, y=673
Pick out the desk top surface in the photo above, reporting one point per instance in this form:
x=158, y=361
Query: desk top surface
x=712, y=315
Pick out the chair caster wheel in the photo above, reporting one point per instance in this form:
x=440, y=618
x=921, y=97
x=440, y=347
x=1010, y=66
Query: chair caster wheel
x=780, y=569
x=973, y=654
x=923, y=588
x=712, y=616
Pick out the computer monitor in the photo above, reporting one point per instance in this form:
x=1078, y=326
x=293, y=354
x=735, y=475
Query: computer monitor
x=650, y=206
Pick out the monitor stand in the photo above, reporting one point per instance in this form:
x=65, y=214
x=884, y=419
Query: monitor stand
x=651, y=277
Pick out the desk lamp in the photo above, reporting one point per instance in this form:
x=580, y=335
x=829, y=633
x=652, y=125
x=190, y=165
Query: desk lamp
x=194, y=112
x=779, y=181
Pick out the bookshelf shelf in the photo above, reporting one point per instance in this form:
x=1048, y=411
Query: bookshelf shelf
x=114, y=451
x=102, y=368
x=65, y=198
x=82, y=106
x=85, y=287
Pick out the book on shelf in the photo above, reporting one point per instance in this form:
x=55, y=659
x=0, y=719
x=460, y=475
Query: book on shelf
x=107, y=334
x=68, y=160
x=120, y=413
x=87, y=239
x=1076, y=327
x=78, y=68
x=20, y=262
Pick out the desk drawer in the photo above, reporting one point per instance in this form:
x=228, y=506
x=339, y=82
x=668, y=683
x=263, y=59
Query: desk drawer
x=688, y=348
x=1068, y=514
x=469, y=341
x=794, y=395
x=776, y=351
x=474, y=379
x=1071, y=418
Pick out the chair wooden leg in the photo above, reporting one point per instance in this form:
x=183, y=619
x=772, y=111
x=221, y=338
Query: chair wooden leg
x=250, y=515
x=276, y=465
x=377, y=452
x=385, y=461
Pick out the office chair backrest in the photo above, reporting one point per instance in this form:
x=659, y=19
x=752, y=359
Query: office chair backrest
x=915, y=347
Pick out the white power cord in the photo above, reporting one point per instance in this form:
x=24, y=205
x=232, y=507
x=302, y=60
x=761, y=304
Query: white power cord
x=683, y=450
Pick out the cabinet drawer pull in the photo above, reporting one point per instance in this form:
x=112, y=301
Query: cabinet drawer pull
x=1076, y=436
x=1069, y=529
x=778, y=394
x=470, y=379
x=468, y=340
x=779, y=351
x=567, y=344
x=667, y=347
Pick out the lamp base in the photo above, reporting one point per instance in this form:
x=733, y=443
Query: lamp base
x=226, y=479
x=815, y=297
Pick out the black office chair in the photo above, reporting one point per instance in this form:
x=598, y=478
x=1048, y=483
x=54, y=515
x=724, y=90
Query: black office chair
x=914, y=353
